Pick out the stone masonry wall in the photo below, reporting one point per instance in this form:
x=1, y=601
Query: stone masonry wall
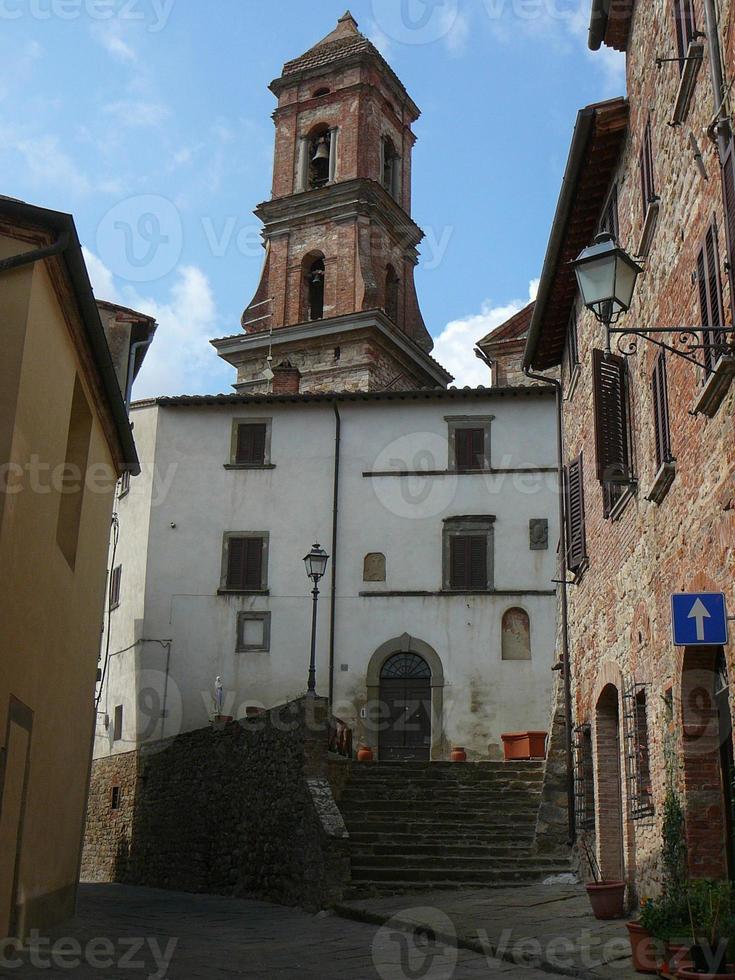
x=619, y=609
x=244, y=809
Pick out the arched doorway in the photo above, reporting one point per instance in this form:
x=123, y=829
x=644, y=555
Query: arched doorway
x=405, y=694
x=709, y=769
x=727, y=756
x=609, y=785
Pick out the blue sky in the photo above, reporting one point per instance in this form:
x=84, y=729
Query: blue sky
x=150, y=120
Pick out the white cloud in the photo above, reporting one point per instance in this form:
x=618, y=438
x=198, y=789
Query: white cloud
x=181, y=359
x=47, y=163
x=135, y=114
x=454, y=348
x=456, y=35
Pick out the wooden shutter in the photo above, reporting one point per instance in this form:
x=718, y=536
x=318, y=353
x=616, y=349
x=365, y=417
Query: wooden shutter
x=245, y=563
x=115, y=580
x=575, y=527
x=572, y=347
x=648, y=191
x=685, y=28
x=250, y=444
x=609, y=221
x=611, y=418
x=710, y=293
x=728, y=193
x=469, y=448
x=468, y=561
x=659, y=388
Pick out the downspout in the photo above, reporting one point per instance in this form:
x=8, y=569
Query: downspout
x=335, y=508
x=134, y=348
x=721, y=121
x=26, y=258
x=567, y=667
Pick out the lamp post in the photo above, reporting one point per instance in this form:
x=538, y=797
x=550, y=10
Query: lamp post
x=606, y=276
x=316, y=565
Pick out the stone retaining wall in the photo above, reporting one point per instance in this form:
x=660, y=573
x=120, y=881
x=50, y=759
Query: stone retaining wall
x=244, y=810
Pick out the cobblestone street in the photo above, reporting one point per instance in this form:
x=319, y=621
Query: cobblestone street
x=124, y=932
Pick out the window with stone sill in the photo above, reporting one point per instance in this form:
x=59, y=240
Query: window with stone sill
x=253, y=632
x=250, y=443
x=245, y=562
x=469, y=442
x=468, y=554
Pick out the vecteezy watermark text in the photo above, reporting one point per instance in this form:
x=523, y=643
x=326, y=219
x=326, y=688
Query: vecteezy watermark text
x=153, y=13
x=141, y=953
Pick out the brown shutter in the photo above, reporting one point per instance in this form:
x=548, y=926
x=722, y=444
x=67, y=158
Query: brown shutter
x=661, y=411
x=611, y=418
x=478, y=561
x=575, y=526
x=710, y=293
x=461, y=449
x=250, y=444
x=244, y=563
x=468, y=561
x=728, y=193
x=477, y=437
x=648, y=191
x=685, y=27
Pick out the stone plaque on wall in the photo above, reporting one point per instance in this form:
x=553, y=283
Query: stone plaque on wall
x=374, y=568
x=539, y=534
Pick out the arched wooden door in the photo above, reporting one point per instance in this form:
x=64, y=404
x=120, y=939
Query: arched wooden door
x=405, y=696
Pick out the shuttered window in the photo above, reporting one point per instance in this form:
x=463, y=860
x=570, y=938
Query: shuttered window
x=685, y=28
x=115, y=580
x=728, y=191
x=609, y=220
x=468, y=561
x=572, y=348
x=648, y=188
x=117, y=723
x=469, y=449
x=250, y=447
x=659, y=390
x=574, y=513
x=245, y=564
x=612, y=418
x=710, y=294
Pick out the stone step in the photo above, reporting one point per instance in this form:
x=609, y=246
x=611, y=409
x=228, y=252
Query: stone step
x=440, y=848
x=369, y=774
x=451, y=864
x=403, y=877
x=441, y=809
x=458, y=825
x=478, y=838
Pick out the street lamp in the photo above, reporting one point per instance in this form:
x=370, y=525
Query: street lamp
x=606, y=276
x=316, y=565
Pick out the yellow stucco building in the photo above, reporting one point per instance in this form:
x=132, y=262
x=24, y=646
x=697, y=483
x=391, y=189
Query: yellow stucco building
x=64, y=441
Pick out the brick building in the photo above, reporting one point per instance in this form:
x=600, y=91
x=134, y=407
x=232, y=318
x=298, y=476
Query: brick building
x=336, y=305
x=648, y=436
x=502, y=349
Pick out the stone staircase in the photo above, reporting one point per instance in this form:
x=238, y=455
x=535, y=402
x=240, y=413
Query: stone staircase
x=417, y=826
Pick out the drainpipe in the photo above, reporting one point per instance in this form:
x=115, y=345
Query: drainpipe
x=26, y=258
x=721, y=121
x=134, y=348
x=567, y=667
x=335, y=507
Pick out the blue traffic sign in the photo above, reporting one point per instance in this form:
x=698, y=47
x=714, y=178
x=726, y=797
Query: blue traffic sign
x=699, y=619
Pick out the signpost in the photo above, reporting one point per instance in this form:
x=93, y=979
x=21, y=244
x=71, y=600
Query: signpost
x=699, y=619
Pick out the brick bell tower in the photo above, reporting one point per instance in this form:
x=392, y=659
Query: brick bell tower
x=336, y=306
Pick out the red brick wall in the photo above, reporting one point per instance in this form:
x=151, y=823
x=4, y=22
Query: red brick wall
x=619, y=610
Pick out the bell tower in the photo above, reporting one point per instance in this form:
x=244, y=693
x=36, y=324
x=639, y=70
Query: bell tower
x=336, y=306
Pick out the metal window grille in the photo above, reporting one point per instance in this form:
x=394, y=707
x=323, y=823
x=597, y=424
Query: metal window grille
x=584, y=778
x=637, y=756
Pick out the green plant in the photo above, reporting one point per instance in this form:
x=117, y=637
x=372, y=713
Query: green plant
x=711, y=907
x=663, y=919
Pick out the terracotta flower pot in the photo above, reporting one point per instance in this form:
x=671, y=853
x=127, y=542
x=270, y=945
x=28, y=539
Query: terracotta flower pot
x=642, y=948
x=524, y=745
x=364, y=754
x=607, y=899
x=458, y=754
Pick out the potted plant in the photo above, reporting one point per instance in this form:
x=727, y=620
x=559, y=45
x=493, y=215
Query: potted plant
x=642, y=933
x=364, y=754
x=607, y=898
x=712, y=924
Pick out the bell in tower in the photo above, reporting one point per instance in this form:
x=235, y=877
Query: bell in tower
x=340, y=244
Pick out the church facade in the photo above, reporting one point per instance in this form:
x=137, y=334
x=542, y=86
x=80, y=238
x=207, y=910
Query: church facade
x=437, y=506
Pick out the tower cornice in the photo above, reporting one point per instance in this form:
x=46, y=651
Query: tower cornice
x=341, y=200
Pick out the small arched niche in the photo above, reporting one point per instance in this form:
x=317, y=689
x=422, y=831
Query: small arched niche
x=516, y=634
x=392, y=283
x=373, y=567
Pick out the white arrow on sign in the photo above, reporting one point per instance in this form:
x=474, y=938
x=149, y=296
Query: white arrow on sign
x=700, y=613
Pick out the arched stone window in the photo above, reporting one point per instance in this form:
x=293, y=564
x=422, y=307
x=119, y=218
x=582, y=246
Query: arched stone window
x=313, y=287
x=373, y=568
x=516, y=638
x=392, y=283
x=319, y=156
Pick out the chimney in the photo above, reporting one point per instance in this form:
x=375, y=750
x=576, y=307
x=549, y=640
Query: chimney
x=286, y=379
